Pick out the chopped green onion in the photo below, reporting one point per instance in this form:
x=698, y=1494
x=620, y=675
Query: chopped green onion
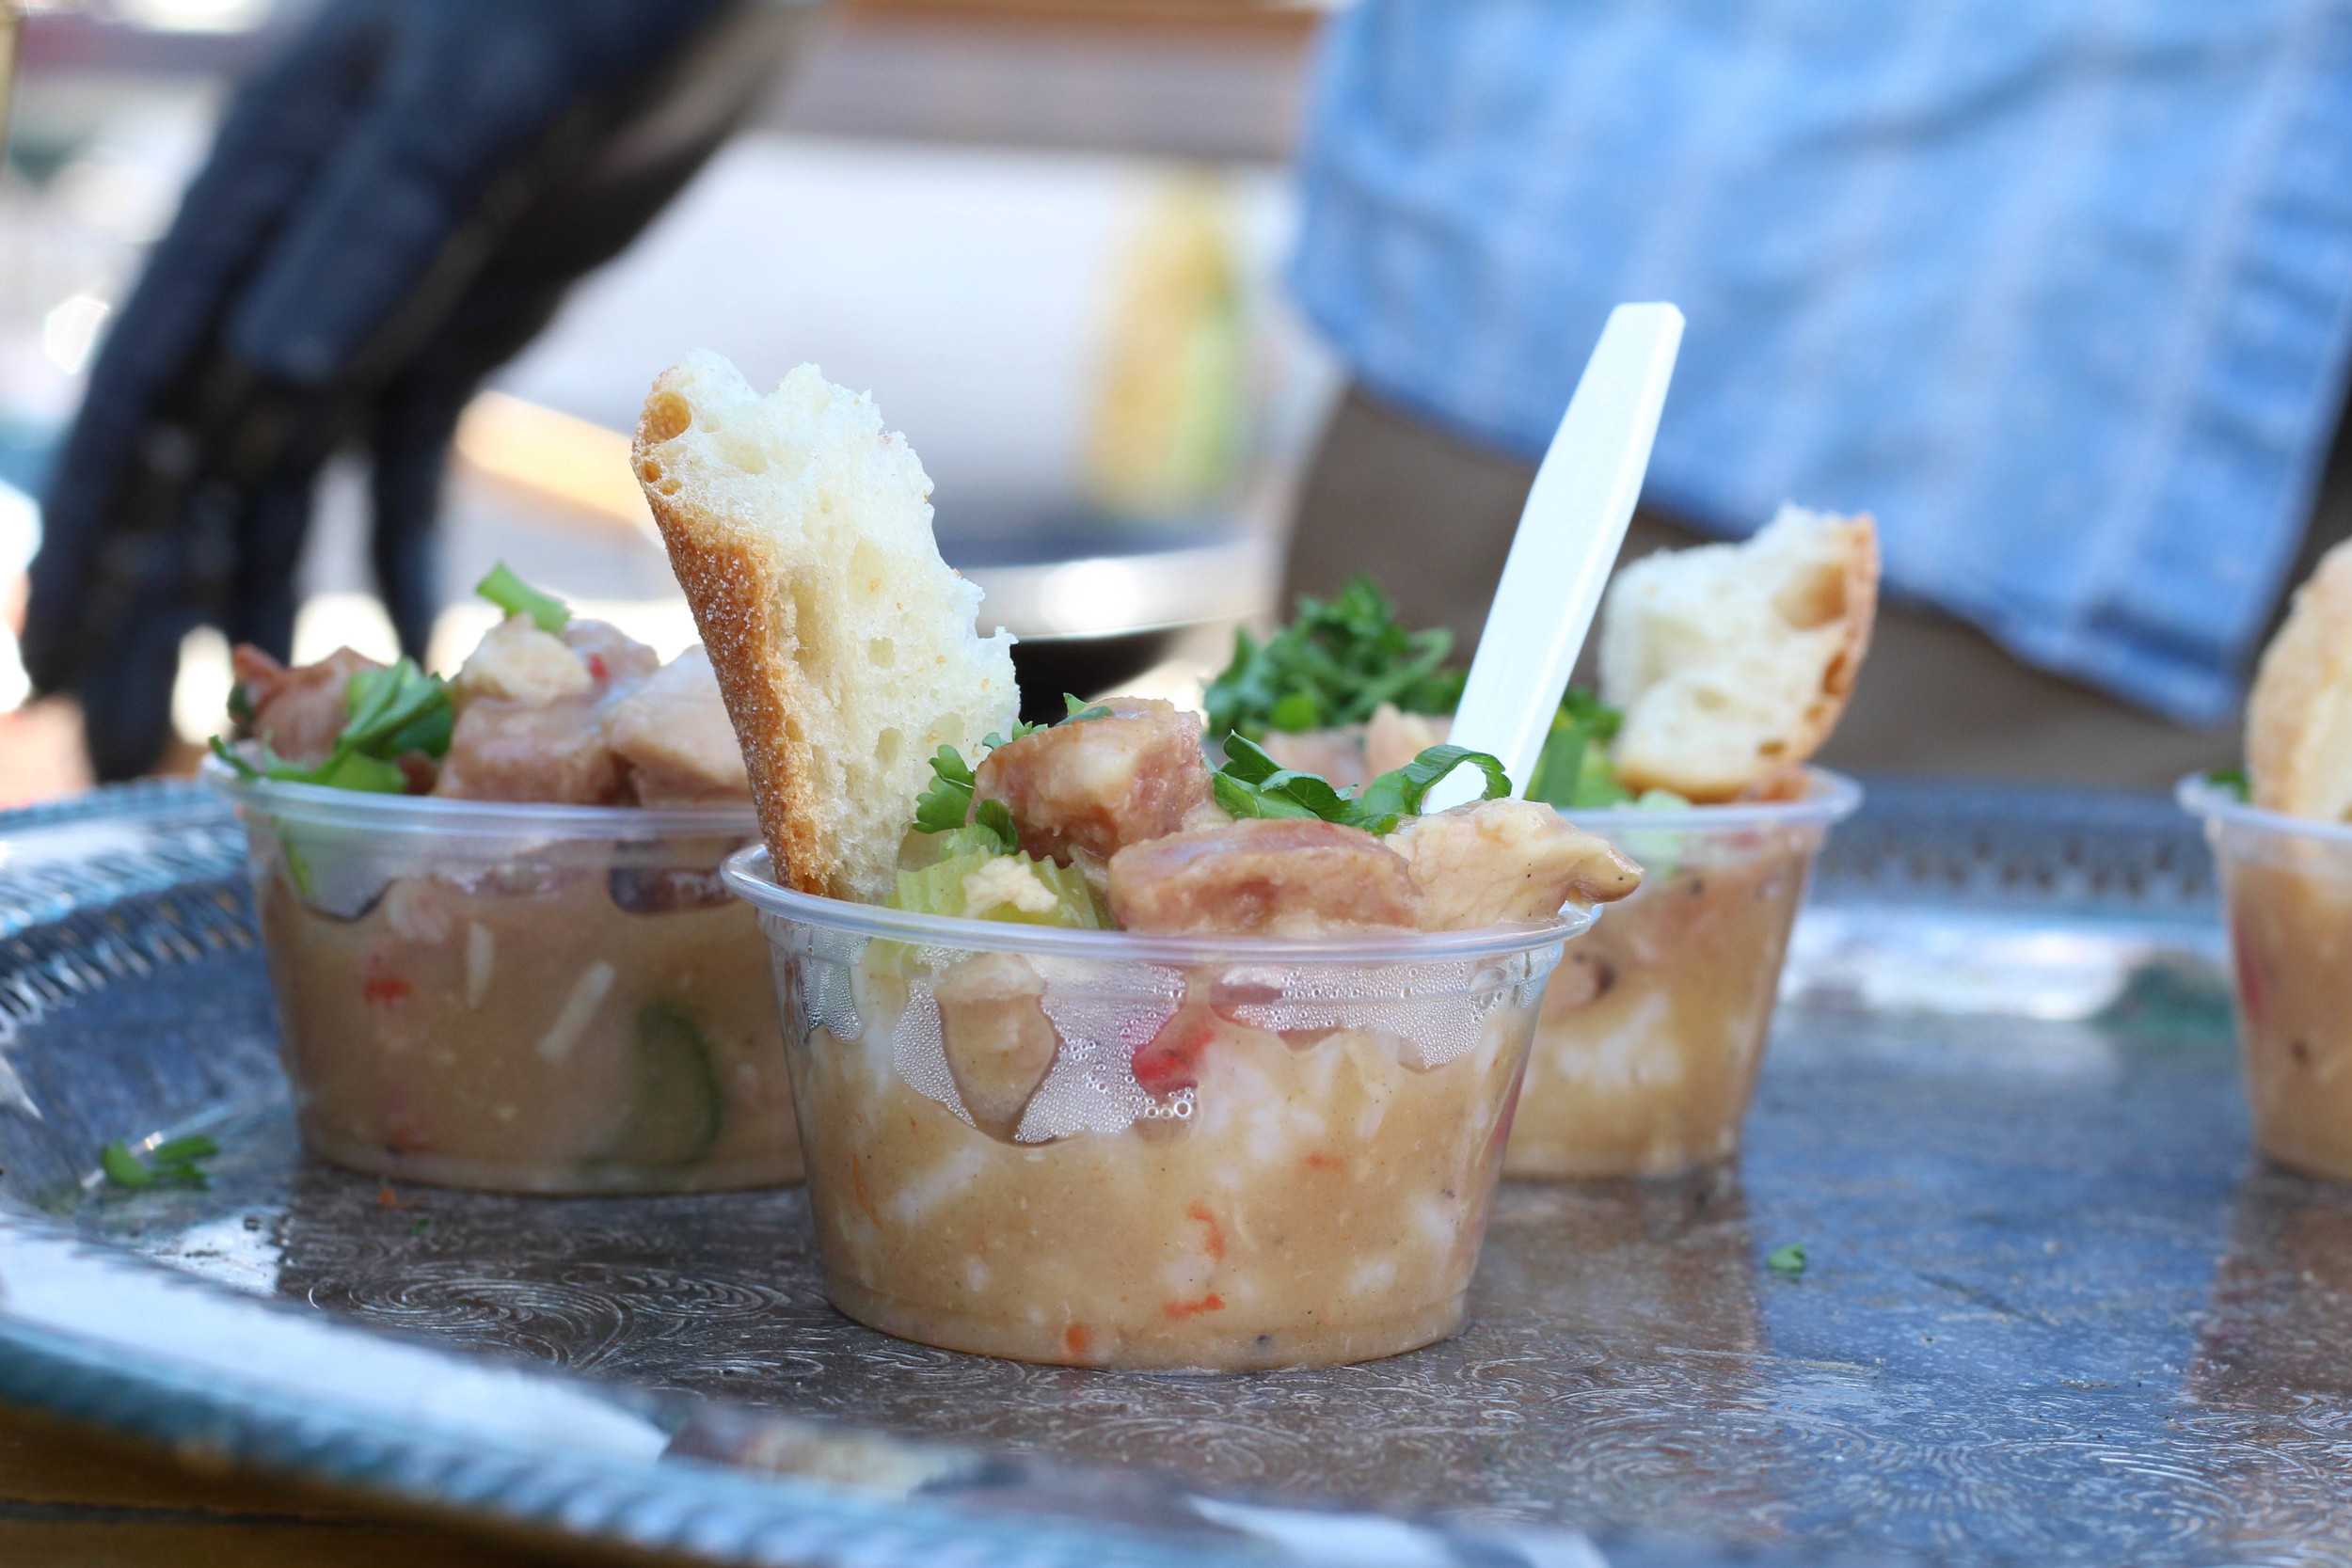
x=514, y=596
x=2230, y=781
x=173, y=1162
x=177, y=1152
x=123, y=1167
x=393, y=711
x=1787, y=1261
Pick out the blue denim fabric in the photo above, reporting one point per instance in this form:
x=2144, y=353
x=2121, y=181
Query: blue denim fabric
x=2060, y=290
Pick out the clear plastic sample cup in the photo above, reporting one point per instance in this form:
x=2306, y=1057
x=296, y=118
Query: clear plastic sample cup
x=2286, y=887
x=1653, y=1028
x=517, y=997
x=1109, y=1150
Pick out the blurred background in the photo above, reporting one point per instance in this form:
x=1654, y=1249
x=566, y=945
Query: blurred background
x=1046, y=232
x=2062, y=293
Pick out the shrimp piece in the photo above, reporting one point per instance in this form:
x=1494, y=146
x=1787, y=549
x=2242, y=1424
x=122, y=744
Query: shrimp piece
x=1270, y=875
x=1502, y=861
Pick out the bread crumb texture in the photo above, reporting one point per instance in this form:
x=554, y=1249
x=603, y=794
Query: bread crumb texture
x=1733, y=662
x=2298, y=715
x=801, y=532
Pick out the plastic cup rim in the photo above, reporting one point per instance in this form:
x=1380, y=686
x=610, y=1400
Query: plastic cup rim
x=2200, y=797
x=746, y=872
x=318, y=805
x=1829, y=798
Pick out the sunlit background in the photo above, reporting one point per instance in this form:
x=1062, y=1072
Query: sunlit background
x=1044, y=233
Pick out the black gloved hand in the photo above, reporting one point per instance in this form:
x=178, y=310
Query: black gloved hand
x=391, y=209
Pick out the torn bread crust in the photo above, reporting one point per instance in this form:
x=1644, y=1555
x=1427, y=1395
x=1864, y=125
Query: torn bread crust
x=1734, y=662
x=801, y=532
x=2299, y=715
x=743, y=608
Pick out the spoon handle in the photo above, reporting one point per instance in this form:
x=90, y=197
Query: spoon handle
x=1567, y=541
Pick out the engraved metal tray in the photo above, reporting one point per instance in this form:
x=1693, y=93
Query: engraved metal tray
x=2056, y=1311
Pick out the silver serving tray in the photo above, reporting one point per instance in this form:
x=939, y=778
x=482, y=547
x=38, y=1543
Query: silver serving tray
x=2056, y=1312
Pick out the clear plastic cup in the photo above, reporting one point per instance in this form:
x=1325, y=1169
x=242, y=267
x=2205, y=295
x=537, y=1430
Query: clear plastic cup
x=2286, y=885
x=1110, y=1149
x=516, y=997
x=1653, y=1028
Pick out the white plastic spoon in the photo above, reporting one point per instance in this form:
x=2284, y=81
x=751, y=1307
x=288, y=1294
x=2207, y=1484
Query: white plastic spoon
x=1567, y=539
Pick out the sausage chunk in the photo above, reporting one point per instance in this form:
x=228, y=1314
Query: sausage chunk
x=1502, y=861
x=554, y=753
x=673, y=733
x=1093, y=787
x=1271, y=875
x=298, y=712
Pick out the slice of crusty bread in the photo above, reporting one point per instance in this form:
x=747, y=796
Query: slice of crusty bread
x=1732, y=662
x=2298, y=717
x=801, y=530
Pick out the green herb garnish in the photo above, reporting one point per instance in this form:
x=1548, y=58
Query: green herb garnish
x=995, y=817
x=514, y=596
x=396, y=709
x=2231, y=782
x=1251, y=783
x=945, y=802
x=1337, y=661
x=1787, y=1261
x=393, y=711
x=1387, y=800
x=1572, y=771
x=173, y=1162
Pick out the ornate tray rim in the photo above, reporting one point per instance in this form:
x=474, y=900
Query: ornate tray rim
x=680, y=1506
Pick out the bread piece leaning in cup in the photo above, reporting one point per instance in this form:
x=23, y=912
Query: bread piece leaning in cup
x=1733, y=662
x=801, y=530
x=2298, y=715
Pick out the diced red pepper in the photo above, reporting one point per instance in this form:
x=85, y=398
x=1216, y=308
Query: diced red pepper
x=1167, y=1061
x=1077, y=1339
x=597, y=667
x=1213, y=1243
x=1183, y=1309
x=2249, y=975
x=382, y=986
